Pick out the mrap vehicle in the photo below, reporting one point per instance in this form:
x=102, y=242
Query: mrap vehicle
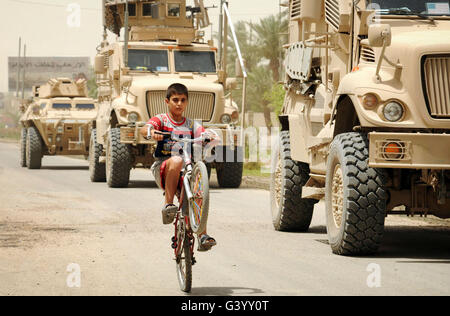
x=366, y=118
x=163, y=44
x=57, y=120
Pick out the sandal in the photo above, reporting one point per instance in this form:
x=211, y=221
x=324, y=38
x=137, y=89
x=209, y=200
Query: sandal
x=169, y=213
x=205, y=243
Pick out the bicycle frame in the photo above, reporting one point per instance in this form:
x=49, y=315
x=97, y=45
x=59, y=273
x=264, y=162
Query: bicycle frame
x=179, y=240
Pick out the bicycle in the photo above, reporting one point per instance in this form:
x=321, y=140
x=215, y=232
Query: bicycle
x=193, y=210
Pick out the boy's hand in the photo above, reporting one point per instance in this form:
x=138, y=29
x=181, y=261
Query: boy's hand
x=156, y=135
x=211, y=136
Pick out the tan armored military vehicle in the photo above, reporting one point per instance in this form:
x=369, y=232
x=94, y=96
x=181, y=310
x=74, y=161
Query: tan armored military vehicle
x=56, y=121
x=366, y=119
x=163, y=44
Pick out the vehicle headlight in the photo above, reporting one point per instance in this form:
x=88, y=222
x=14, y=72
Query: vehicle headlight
x=235, y=116
x=133, y=117
x=370, y=101
x=393, y=111
x=225, y=119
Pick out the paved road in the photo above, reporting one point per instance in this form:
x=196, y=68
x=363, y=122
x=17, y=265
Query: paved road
x=53, y=217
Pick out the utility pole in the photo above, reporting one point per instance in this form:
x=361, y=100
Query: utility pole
x=18, y=67
x=24, y=70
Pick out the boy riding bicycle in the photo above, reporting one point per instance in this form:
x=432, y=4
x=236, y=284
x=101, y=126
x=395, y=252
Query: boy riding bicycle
x=169, y=165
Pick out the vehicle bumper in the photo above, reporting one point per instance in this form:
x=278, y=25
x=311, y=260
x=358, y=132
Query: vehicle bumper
x=229, y=136
x=412, y=150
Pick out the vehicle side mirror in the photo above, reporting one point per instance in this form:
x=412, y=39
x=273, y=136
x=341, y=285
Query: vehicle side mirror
x=231, y=84
x=126, y=81
x=380, y=35
x=99, y=65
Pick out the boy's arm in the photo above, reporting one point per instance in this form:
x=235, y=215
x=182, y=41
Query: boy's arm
x=153, y=124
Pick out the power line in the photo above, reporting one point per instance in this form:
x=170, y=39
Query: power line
x=49, y=4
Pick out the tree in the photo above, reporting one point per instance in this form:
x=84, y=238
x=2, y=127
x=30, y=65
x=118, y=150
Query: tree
x=92, y=84
x=271, y=34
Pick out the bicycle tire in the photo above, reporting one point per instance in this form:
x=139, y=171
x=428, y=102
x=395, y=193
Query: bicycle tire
x=184, y=261
x=199, y=206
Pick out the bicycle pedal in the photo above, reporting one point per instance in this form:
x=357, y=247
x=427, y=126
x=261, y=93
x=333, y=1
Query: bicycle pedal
x=194, y=261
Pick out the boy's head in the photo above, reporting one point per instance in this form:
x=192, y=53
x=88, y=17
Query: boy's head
x=177, y=99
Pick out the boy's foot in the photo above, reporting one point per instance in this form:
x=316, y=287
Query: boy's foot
x=205, y=243
x=169, y=213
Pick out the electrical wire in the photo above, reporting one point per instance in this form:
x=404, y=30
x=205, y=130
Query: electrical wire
x=49, y=4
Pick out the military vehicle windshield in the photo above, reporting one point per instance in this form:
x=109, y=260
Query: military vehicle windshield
x=62, y=106
x=85, y=106
x=189, y=61
x=148, y=60
x=411, y=7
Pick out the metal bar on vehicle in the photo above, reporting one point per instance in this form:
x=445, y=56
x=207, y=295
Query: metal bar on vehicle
x=244, y=71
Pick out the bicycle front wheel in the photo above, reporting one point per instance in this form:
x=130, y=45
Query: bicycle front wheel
x=199, y=205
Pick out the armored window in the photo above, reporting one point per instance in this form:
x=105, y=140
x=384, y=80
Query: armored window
x=410, y=7
x=132, y=9
x=173, y=9
x=85, y=106
x=189, y=61
x=147, y=9
x=62, y=106
x=148, y=60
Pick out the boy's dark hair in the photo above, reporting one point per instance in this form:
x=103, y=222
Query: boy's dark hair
x=177, y=88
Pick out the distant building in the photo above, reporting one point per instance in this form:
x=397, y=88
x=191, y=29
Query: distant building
x=40, y=69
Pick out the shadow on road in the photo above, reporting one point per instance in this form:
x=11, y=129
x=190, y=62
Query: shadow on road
x=224, y=291
x=65, y=168
x=142, y=184
x=430, y=242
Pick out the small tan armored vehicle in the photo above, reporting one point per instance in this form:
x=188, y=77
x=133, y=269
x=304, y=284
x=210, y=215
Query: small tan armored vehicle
x=163, y=44
x=366, y=118
x=56, y=121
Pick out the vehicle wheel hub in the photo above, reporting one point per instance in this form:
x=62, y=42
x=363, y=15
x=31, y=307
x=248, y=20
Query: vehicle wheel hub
x=337, y=191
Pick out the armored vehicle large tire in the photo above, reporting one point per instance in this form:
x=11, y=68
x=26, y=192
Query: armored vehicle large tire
x=290, y=212
x=355, y=197
x=23, y=147
x=229, y=174
x=118, y=161
x=97, y=170
x=33, y=149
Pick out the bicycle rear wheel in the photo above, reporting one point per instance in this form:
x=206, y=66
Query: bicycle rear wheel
x=184, y=259
x=199, y=206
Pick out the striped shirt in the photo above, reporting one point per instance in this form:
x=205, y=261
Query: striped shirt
x=186, y=128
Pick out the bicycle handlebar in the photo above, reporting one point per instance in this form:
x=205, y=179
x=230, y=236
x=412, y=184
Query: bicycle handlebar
x=183, y=140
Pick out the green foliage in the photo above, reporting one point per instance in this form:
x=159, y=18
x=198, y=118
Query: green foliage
x=275, y=97
x=262, y=48
x=92, y=84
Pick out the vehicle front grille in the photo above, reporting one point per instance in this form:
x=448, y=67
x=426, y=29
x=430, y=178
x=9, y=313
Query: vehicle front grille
x=200, y=107
x=436, y=80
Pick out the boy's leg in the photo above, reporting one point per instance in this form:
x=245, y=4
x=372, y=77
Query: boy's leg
x=172, y=173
